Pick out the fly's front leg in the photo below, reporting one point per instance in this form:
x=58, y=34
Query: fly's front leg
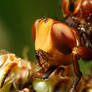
x=48, y=72
x=76, y=70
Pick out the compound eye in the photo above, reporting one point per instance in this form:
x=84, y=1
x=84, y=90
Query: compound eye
x=34, y=26
x=63, y=37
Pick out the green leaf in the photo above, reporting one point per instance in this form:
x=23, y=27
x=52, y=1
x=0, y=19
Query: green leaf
x=85, y=66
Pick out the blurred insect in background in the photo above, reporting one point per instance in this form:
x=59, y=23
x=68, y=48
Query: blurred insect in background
x=58, y=43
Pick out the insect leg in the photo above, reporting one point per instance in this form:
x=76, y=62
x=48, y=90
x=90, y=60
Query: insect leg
x=65, y=7
x=48, y=72
x=77, y=6
x=76, y=70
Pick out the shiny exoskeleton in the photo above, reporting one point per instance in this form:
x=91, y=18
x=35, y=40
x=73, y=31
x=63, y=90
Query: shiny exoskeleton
x=60, y=43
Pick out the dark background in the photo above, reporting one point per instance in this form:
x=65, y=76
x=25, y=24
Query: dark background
x=16, y=19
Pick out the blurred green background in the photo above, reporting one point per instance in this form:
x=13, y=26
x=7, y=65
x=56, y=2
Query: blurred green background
x=16, y=19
